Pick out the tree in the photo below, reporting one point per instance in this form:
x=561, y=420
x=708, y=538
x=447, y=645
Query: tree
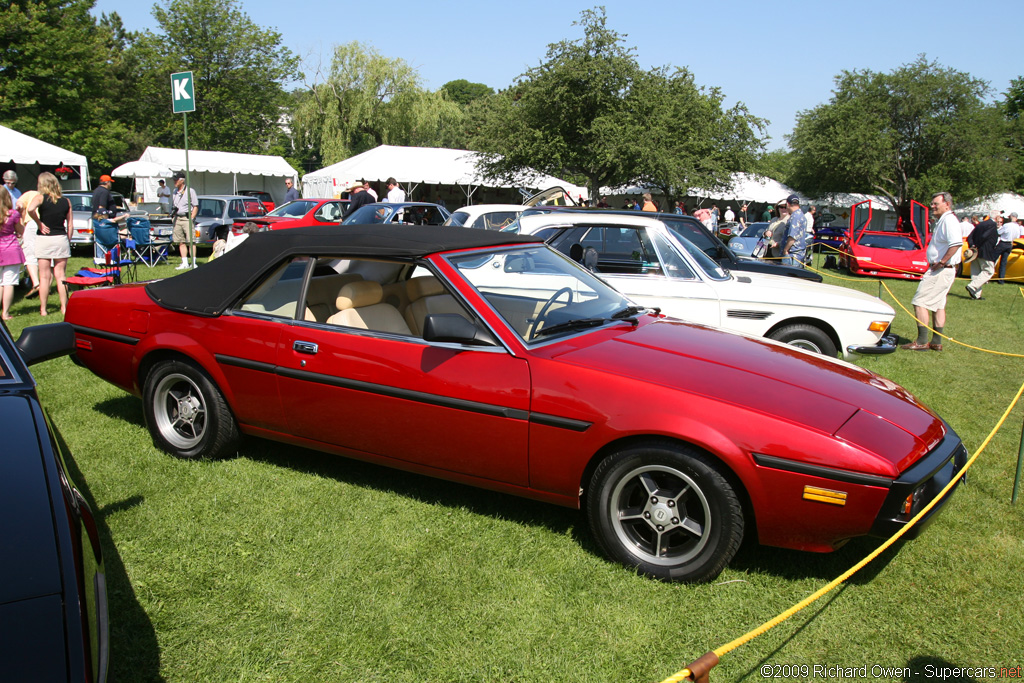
x=920, y=129
x=55, y=77
x=239, y=70
x=1013, y=107
x=463, y=92
x=366, y=100
x=684, y=139
x=568, y=116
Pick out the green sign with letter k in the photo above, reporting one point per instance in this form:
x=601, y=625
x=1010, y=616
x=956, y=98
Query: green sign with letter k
x=183, y=92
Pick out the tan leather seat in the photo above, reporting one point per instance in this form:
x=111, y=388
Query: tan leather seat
x=426, y=296
x=322, y=294
x=359, y=305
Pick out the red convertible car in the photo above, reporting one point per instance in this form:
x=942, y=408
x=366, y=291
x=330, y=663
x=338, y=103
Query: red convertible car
x=490, y=359
x=877, y=252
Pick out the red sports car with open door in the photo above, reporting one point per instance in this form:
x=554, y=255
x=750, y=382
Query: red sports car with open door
x=878, y=251
x=493, y=360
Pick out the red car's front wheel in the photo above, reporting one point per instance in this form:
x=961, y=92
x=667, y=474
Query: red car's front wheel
x=186, y=413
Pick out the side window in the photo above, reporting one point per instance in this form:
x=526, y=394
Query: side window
x=329, y=213
x=564, y=241
x=235, y=209
x=673, y=263
x=278, y=295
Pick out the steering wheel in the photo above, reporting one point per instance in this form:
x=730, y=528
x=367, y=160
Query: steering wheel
x=539, y=320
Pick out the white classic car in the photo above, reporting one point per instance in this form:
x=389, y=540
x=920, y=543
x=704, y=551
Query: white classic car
x=654, y=266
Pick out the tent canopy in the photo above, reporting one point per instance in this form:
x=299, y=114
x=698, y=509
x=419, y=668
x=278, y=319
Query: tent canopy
x=1003, y=201
x=30, y=157
x=220, y=172
x=412, y=166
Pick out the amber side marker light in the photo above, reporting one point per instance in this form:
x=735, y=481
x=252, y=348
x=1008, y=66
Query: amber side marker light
x=825, y=495
x=878, y=326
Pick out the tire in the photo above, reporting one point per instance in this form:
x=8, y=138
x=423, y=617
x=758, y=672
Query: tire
x=186, y=413
x=808, y=337
x=635, y=489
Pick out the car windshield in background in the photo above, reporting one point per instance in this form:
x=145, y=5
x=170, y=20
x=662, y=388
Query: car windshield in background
x=713, y=269
x=541, y=294
x=408, y=214
x=369, y=214
x=694, y=233
x=458, y=219
x=754, y=230
x=80, y=202
x=299, y=207
x=897, y=242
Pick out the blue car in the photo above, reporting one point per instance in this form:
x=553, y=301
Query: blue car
x=745, y=242
x=410, y=213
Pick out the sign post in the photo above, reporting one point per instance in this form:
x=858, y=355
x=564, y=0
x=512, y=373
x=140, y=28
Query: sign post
x=183, y=100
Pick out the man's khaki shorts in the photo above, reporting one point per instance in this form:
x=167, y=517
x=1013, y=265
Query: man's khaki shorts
x=931, y=293
x=180, y=230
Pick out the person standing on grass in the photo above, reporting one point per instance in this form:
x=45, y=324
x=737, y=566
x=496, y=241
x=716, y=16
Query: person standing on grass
x=795, y=239
x=181, y=203
x=11, y=255
x=52, y=212
x=943, y=257
x=984, y=237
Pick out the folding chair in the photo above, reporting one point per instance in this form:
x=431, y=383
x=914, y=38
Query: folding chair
x=142, y=247
x=108, y=240
x=109, y=274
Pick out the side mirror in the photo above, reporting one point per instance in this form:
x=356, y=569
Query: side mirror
x=452, y=327
x=43, y=342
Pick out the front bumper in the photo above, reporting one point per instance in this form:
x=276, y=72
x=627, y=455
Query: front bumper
x=921, y=484
x=887, y=344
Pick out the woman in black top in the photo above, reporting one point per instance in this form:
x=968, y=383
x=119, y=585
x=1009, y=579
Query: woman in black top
x=52, y=212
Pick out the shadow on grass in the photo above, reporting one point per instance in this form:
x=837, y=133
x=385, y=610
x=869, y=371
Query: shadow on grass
x=422, y=488
x=795, y=565
x=126, y=408
x=926, y=668
x=134, y=650
x=755, y=672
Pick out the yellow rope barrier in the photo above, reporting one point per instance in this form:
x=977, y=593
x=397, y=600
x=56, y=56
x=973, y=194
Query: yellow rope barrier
x=685, y=674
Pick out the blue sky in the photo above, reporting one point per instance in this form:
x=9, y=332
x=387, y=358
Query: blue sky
x=777, y=57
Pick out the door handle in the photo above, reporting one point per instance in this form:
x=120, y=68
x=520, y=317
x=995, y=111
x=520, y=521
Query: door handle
x=305, y=347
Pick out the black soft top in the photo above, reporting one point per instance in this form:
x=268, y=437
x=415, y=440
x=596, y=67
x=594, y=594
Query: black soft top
x=209, y=290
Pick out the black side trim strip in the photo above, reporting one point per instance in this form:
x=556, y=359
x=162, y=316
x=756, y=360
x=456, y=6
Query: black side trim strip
x=407, y=394
x=110, y=336
x=560, y=422
x=246, y=363
x=819, y=471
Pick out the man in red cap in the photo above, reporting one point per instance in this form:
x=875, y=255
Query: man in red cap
x=103, y=204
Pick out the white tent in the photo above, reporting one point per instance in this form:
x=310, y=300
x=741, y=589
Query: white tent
x=413, y=166
x=1006, y=202
x=220, y=172
x=30, y=157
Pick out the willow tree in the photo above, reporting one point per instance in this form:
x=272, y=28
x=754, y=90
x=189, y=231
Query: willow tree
x=366, y=99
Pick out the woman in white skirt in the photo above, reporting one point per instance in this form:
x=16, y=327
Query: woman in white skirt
x=52, y=211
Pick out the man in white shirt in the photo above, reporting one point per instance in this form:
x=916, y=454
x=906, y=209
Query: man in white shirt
x=729, y=215
x=163, y=195
x=369, y=190
x=395, y=192
x=1009, y=231
x=943, y=257
x=967, y=225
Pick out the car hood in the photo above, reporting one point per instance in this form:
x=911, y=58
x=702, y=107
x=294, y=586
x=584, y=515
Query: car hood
x=764, y=288
x=795, y=386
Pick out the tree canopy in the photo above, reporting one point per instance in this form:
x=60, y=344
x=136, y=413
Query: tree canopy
x=239, y=69
x=463, y=92
x=591, y=115
x=919, y=129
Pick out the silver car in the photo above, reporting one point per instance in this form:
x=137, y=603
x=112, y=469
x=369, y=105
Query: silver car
x=81, y=214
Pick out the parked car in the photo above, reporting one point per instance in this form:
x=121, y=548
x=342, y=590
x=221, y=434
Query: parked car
x=411, y=213
x=159, y=221
x=485, y=216
x=746, y=241
x=898, y=253
x=490, y=359
x=726, y=229
x=693, y=230
x=828, y=238
x=217, y=213
x=655, y=266
x=81, y=214
x=53, y=593
x=264, y=197
x=298, y=213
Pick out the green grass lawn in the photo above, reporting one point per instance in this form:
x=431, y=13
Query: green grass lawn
x=284, y=564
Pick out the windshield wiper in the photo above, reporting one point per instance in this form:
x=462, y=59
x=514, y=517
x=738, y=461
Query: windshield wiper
x=630, y=312
x=578, y=324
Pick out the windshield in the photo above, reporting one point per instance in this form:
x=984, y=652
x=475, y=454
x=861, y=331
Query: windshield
x=711, y=267
x=695, y=233
x=369, y=214
x=541, y=294
x=896, y=242
x=754, y=230
x=457, y=219
x=294, y=209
